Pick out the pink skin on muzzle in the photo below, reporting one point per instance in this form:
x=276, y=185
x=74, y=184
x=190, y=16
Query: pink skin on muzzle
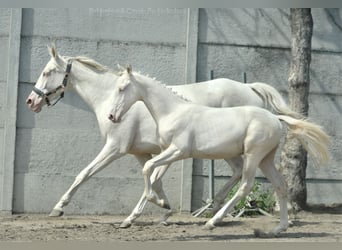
x=34, y=102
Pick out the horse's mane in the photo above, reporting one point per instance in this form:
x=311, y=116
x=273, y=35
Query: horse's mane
x=94, y=65
x=91, y=63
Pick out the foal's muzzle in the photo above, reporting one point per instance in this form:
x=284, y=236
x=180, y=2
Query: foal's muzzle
x=113, y=118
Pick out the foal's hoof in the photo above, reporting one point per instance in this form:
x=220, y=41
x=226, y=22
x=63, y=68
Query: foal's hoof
x=164, y=223
x=125, y=224
x=56, y=213
x=209, y=226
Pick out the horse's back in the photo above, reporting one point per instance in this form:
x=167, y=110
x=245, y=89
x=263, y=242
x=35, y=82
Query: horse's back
x=221, y=92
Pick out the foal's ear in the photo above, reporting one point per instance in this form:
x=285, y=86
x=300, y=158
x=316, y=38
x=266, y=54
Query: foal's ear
x=53, y=51
x=129, y=69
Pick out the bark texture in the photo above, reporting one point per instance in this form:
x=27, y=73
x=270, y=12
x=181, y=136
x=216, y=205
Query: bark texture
x=293, y=156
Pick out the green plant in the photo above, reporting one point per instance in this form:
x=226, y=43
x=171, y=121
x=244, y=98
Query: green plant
x=257, y=199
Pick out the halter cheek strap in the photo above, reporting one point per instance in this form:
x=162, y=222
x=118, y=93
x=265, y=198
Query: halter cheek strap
x=51, y=92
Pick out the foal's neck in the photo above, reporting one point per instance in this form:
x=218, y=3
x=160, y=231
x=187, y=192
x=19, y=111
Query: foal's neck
x=159, y=100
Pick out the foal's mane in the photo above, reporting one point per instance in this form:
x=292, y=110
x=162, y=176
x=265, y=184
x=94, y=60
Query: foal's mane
x=159, y=83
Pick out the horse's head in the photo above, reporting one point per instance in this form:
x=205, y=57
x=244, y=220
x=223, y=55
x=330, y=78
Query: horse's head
x=124, y=96
x=51, y=82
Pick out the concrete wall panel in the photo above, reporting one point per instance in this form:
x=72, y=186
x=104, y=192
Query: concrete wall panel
x=4, y=21
x=142, y=25
x=166, y=62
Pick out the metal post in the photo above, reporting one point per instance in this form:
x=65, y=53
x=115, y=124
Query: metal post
x=211, y=176
x=212, y=165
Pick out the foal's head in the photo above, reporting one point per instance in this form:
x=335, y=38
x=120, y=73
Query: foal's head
x=51, y=82
x=124, y=96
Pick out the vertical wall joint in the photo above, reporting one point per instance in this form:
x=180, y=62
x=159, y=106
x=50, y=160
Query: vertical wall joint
x=10, y=105
x=190, y=76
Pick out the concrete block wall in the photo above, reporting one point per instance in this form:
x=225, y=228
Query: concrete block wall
x=174, y=45
x=258, y=42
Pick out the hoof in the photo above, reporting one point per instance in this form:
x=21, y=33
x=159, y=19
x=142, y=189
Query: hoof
x=166, y=206
x=56, y=213
x=261, y=234
x=126, y=224
x=164, y=223
x=209, y=226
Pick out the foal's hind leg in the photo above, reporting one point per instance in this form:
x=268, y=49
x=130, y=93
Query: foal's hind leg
x=236, y=165
x=251, y=163
x=272, y=174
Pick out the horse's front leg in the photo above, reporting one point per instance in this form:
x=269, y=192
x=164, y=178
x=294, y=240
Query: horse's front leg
x=106, y=156
x=169, y=155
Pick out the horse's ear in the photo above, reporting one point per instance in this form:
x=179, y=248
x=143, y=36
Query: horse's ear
x=129, y=69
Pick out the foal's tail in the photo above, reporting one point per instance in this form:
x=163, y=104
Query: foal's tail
x=273, y=99
x=311, y=136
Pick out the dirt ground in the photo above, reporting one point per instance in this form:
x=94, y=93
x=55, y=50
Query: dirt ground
x=307, y=227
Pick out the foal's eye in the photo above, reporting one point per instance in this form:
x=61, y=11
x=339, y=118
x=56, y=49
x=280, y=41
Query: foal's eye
x=45, y=74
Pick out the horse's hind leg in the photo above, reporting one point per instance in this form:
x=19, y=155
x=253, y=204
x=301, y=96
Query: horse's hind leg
x=156, y=186
x=169, y=155
x=138, y=209
x=251, y=162
x=236, y=165
x=272, y=174
x=106, y=156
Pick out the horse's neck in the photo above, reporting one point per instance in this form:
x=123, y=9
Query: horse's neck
x=94, y=88
x=159, y=100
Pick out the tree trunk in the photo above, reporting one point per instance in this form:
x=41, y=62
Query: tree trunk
x=293, y=156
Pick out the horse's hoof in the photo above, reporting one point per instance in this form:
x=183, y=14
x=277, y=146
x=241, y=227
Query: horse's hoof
x=56, y=213
x=166, y=206
x=258, y=233
x=126, y=224
x=209, y=226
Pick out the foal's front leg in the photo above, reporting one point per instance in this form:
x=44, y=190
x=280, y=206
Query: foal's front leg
x=169, y=155
x=157, y=187
x=106, y=156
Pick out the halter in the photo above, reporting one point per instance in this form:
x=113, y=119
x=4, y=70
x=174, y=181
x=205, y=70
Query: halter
x=51, y=92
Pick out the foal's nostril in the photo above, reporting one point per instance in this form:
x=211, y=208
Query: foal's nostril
x=111, y=117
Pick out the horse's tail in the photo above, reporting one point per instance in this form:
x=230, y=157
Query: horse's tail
x=273, y=99
x=311, y=136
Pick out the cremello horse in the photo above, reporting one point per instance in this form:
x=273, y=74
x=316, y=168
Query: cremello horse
x=136, y=132
x=188, y=130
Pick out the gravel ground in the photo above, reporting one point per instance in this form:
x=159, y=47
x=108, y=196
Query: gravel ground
x=307, y=227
